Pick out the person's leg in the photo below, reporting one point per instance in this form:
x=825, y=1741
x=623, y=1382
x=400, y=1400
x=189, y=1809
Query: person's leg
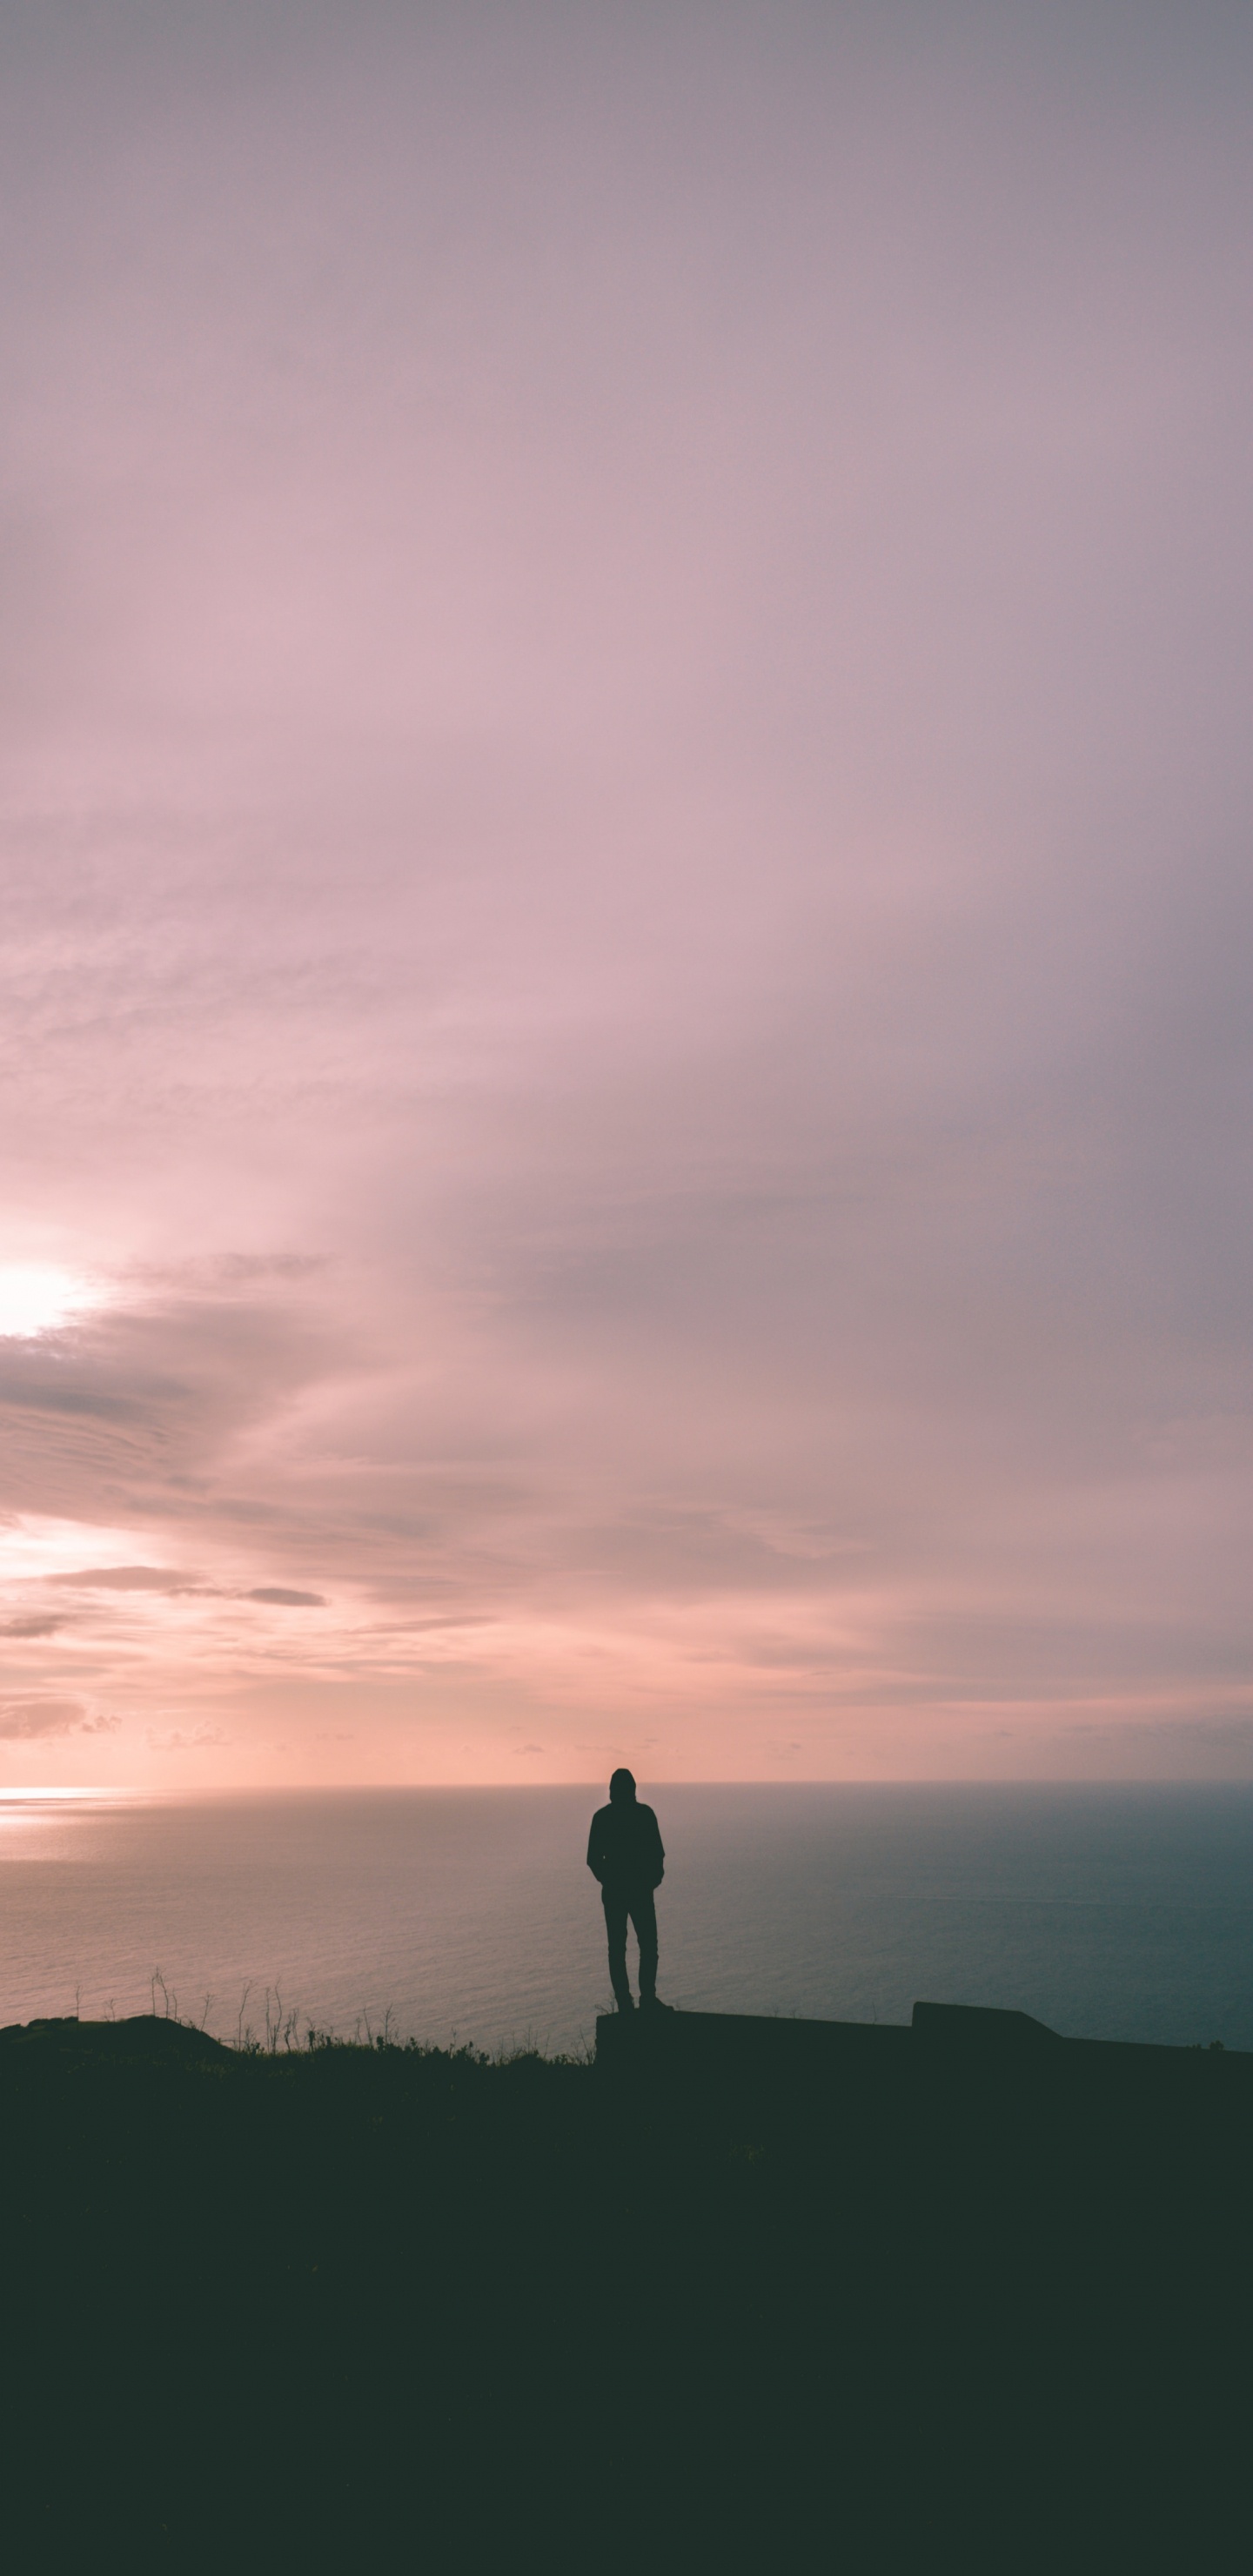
x=616, y=1929
x=644, y=1917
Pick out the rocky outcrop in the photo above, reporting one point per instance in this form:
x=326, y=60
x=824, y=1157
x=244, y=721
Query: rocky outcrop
x=145, y=2038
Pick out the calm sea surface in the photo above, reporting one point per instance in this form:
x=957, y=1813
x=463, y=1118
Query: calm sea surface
x=1108, y=1912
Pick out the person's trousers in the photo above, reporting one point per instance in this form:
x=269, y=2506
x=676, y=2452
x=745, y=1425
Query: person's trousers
x=637, y=1902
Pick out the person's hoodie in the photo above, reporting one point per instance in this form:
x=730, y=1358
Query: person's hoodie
x=624, y=1848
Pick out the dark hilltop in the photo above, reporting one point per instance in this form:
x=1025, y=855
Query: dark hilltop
x=735, y=2294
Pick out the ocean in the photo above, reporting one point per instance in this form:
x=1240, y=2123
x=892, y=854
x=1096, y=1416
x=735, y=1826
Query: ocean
x=468, y=1915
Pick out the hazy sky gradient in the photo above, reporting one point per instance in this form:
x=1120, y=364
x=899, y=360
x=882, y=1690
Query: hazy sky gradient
x=625, y=760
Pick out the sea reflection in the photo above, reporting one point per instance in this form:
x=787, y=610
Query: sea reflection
x=42, y=1821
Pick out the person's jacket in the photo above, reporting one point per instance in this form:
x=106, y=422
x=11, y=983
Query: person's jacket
x=624, y=1848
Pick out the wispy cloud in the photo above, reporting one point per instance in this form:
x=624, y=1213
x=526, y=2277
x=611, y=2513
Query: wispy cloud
x=177, y=1739
x=126, y=1578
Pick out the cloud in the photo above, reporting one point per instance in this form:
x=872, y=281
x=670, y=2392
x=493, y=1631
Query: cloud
x=25, y=1718
x=35, y=1626
x=126, y=1578
x=178, y=1586
x=184, y=1740
x=287, y=1600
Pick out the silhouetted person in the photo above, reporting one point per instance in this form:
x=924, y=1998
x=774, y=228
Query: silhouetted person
x=624, y=1852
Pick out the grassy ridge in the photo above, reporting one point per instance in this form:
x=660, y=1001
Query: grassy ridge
x=349, y=2306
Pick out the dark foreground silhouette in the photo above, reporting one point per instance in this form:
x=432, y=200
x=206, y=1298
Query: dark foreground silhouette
x=741, y=2294
x=625, y=1855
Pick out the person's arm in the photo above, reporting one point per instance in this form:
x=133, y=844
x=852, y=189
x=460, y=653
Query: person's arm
x=659, y=1856
x=595, y=1852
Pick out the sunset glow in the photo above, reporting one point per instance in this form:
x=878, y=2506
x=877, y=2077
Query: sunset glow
x=35, y=1299
x=624, y=777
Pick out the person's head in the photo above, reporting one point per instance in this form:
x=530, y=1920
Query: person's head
x=622, y=1789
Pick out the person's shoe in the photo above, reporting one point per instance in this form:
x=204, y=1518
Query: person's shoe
x=653, y=2003
x=625, y=2003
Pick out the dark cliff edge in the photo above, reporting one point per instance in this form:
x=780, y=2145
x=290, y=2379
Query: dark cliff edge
x=739, y=2293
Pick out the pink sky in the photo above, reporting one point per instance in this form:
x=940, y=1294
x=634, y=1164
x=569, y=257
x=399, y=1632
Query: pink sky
x=625, y=771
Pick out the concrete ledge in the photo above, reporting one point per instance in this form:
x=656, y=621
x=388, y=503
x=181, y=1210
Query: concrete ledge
x=963, y=2044
x=736, y=2037
x=979, y=2026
